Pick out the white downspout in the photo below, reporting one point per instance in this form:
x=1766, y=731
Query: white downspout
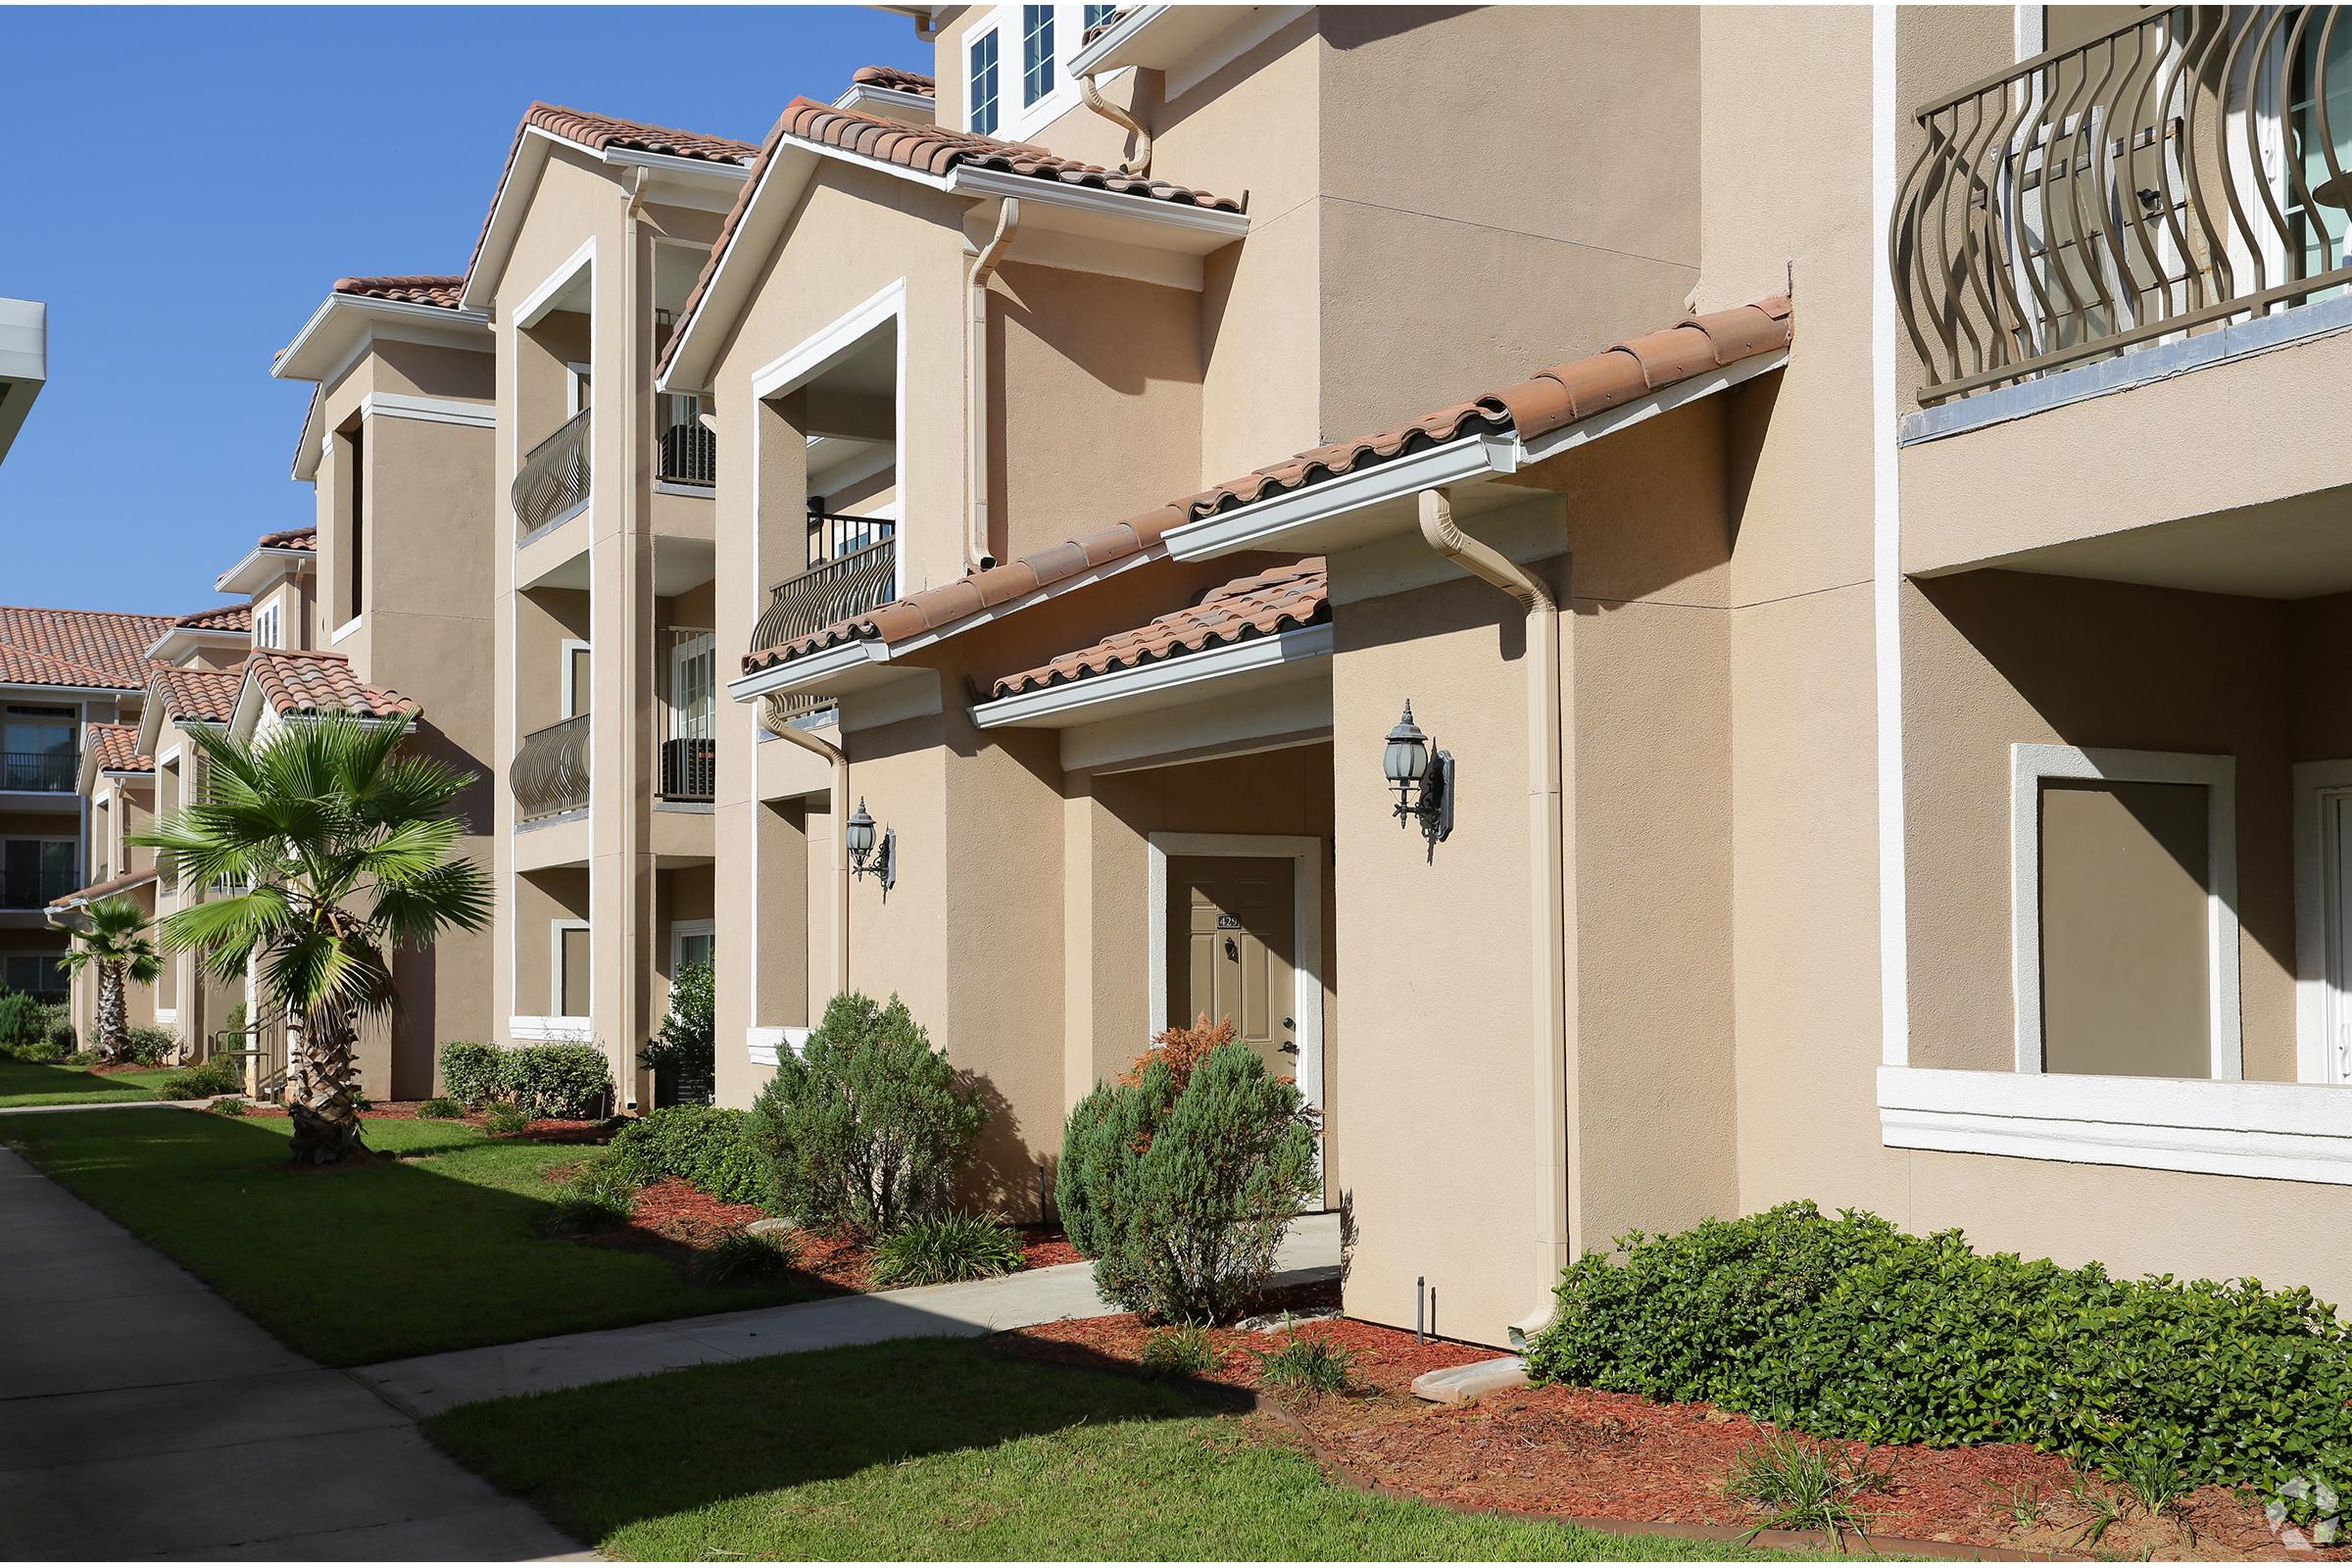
x=976, y=555
x=841, y=850
x=1092, y=96
x=1546, y=823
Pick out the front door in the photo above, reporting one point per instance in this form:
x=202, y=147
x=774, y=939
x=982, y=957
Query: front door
x=1232, y=940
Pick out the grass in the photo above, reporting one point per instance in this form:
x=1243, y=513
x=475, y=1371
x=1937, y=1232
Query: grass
x=440, y=1251
x=938, y=1449
x=1795, y=1484
x=35, y=1082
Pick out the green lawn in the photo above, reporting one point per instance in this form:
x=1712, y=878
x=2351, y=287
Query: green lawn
x=936, y=1448
x=31, y=1083
x=437, y=1251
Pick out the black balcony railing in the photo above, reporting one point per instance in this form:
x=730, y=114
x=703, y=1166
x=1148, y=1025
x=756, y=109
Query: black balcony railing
x=553, y=480
x=854, y=581
x=689, y=768
x=20, y=891
x=39, y=770
x=550, y=775
x=689, y=454
x=2179, y=173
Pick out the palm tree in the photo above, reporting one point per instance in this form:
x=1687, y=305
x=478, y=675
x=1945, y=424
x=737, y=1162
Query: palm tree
x=344, y=854
x=115, y=943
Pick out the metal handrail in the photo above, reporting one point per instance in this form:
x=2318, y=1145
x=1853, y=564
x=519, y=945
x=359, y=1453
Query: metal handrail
x=39, y=770
x=550, y=775
x=689, y=454
x=2134, y=187
x=857, y=583
x=553, y=480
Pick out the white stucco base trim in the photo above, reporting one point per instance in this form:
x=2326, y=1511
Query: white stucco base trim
x=2216, y=1127
x=766, y=1044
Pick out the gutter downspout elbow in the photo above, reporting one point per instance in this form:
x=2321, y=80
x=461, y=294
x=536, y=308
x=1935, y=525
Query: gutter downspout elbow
x=1092, y=96
x=1547, y=891
x=841, y=850
x=976, y=554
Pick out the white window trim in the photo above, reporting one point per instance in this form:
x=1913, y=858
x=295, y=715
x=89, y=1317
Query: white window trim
x=1305, y=856
x=346, y=629
x=1017, y=119
x=2029, y=764
x=569, y=647
x=555, y=969
x=575, y=376
x=2320, y=1016
x=679, y=930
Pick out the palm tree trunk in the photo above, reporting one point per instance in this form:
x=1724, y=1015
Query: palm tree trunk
x=114, y=1016
x=324, y=1105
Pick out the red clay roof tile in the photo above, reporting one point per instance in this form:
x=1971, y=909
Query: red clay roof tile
x=892, y=79
x=200, y=696
x=96, y=648
x=227, y=618
x=409, y=288
x=310, y=682
x=117, y=748
x=290, y=539
x=1256, y=605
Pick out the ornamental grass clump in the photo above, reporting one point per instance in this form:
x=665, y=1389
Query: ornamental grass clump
x=1308, y=1366
x=865, y=1127
x=1846, y=1327
x=1790, y=1483
x=943, y=1249
x=745, y=1257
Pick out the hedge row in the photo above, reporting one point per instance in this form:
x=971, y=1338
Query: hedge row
x=565, y=1078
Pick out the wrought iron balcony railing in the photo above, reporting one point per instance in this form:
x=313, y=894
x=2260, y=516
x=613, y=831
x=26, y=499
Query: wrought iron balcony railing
x=550, y=775
x=552, y=482
x=689, y=454
x=689, y=767
x=39, y=770
x=2179, y=172
x=854, y=581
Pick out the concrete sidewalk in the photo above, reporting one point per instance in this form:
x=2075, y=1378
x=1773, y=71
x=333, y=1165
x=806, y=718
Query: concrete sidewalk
x=426, y=1384
x=141, y=1415
x=105, y=1105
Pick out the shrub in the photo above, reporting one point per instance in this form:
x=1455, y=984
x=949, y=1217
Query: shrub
x=707, y=1146
x=229, y=1105
x=1182, y=1191
x=79, y=1058
x=150, y=1046
x=504, y=1116
x=22, y=1018
x=597, y=1198
x=685, y=1050
x=1308, y=1366
x=471, y=1072
x=569, y=1079
x=1795, y=1485
x=1183, y=1352
x=440, y=1107
x=863, y=1129
x=201, y=1081
x=62, y=1041
x=946, y=1247
x=741, y=1258
x=1846, y=1327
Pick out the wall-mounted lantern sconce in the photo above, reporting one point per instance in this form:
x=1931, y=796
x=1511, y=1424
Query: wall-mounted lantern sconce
x=865, y=858
x=1423, y=779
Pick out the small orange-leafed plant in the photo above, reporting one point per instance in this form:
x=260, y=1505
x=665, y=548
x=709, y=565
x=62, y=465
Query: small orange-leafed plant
x=1181, y=1048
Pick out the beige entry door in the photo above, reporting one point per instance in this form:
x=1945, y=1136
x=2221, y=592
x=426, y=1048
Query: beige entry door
x=1233, y=950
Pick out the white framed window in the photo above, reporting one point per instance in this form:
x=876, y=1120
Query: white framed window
x=575, y=389
x=578, y=677
x=265, y=631
x=2124, y=913
x=570, y=971
x=1016, y=84
x=980, y=96
x=691, y=942
x=2323, y=795
x=1036, y=53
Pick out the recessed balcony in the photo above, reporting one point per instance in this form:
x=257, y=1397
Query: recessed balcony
x=855, y=573
x=553, y=482
x=42, y=773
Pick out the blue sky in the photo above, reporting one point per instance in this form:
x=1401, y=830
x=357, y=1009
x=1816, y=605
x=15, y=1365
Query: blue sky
x=182, y=186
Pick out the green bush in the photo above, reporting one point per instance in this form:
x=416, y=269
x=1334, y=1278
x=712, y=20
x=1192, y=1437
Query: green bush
x=201, y=1081
x=502, y=1117
x=686, y=1048
x=569, y=1079
x=149, y=1046
x=61, y=1039
x=1184, y=1351
x=23, y=1019
x=1182, y=1194
x=863, y=1130
x=741, y=1258
x=597, y=1198
x=471, y=1072
x=439, y=1108
x=946, y=1247
x=707, y=1146
x=1848, y=1328
x=229, y=1105
x=1307, y=1365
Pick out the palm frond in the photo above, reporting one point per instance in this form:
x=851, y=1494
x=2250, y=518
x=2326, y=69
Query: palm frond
x=232, y=922
x=413, y=911
x=407, y=849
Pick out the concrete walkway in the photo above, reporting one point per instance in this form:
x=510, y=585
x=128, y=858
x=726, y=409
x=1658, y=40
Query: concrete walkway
x=105, y=1105
x=427, y=1384
x=141, y=1415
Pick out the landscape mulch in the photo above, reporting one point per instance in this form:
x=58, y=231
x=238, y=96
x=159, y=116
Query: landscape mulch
x=1592, y=1456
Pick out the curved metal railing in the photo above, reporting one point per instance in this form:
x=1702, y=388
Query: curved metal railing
x=2182, y=170
x=554, y=478
x=550, y=775
x=857, y=582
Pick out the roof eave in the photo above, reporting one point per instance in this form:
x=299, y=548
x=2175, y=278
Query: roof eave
x=1158, y=682
x=343, y=323
x=254, y=571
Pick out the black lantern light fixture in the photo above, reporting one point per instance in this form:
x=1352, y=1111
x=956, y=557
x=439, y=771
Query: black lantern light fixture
x=1423, y=779
x=858, y=837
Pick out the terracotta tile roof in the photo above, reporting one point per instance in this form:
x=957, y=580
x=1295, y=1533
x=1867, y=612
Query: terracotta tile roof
x=99, y=648
x=293, y=682
x=409, y=288
x=228, y=618
x=117, y=748
x=290, y=539
x=1258, y=605
x=1545, y=401
x=895, y=80
x=928, y=149
x=99, y=890
x=1106, y=24
x=205, y=696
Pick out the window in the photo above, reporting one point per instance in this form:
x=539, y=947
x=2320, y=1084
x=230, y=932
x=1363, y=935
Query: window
x=355, y=553
x=35, y=973
x=265, y=628
x=578, y=679
x=33, y=871
x=1095, y=15
x=36, y=748
x=2124, y=913
x=575, y=389
x=1036, y=53
x=573, y=973
x=981, y=114
x=690, y=941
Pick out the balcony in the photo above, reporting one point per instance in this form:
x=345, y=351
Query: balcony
x=552, y=482
x=688, y=454
x=855, y=574
x=2178, y=174
x=47, y=771
x=687, y=750
x=550, y=776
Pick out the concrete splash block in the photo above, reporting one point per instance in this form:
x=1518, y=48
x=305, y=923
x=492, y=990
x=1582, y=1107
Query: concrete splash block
x=1459, y=1385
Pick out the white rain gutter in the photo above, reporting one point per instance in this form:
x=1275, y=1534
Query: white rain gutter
x=1546, y=823
x=976, y=555
x=841, y=845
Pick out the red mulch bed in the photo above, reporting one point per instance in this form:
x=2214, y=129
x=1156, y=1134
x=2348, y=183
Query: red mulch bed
x=1585, y=1454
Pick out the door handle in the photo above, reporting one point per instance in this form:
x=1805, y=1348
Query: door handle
x=1287, y=1024
x=1290, y=1047
x=1232, y=951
